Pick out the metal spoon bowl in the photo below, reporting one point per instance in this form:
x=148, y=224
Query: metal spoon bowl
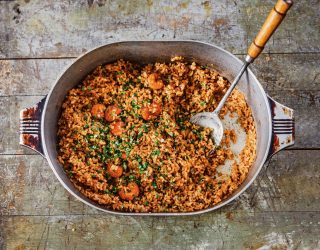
x=211, y=119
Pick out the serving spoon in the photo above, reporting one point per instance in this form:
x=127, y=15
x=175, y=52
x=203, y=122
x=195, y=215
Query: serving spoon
x=211, y=119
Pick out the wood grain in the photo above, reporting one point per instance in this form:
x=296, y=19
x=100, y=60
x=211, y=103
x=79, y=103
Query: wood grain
x=278, y=210
x=281, y=208
x=29, y=187
x=274, y=71
x=30, y=77
x=279, y=74
x=271, y=24
x=211, y=231
x=60, y=28
x=305, y=103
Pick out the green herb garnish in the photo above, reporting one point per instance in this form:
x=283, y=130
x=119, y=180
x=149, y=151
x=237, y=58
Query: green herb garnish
x=90, y=136
x=156, y=152
x=135, y=105
x=145, y=127
x=93, y=147
x=143, y=166
x=154, y=184
x=127, y=85
x=70, y=173
x=140, y=134
x=114, y=190
x=117, y=153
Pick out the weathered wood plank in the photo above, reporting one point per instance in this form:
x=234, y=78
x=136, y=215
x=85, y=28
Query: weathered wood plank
x=275, y=72
x=279, y=211
x=305, y=103
x=41, y=29
x=1, y=233
x=30, y=77
x=288, y=72
x=29, y=187
x=9, y=125
x=211, y=231
x=287, y=183
x=278, y=74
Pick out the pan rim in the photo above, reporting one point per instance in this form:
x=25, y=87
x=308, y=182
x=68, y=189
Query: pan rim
x=102, y=208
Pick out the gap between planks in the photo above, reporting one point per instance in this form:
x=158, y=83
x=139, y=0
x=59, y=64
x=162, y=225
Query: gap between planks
x=74, y=57
x=105, y=214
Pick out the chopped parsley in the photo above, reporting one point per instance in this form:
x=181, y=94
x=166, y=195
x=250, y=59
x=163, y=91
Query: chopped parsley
x=138, y=158
x=70, y=173
x=93, y=147
x=155, y=152
x=145, y=127
x=117, y=153
x=198, y=133
x=140, y=134
x=203, y=103
x=90, y=136
x=127, y=151
x=154, y=184
x=135, y=105
x=127, y=85
x=143, y=166
x=114, y=190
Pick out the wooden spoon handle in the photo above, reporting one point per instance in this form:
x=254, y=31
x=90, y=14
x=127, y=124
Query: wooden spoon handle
x=274, y=19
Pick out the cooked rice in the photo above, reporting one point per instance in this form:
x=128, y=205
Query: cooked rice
x=166, y=156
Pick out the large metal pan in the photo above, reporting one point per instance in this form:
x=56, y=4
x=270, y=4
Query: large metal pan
x=274, y=122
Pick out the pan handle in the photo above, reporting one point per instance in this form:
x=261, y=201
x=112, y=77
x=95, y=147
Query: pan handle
x=30, y=127
x=283, y=130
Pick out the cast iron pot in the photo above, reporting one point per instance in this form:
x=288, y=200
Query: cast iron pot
x=274, y=122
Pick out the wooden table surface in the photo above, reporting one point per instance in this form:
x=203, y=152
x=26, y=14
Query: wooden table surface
x=281, y=210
